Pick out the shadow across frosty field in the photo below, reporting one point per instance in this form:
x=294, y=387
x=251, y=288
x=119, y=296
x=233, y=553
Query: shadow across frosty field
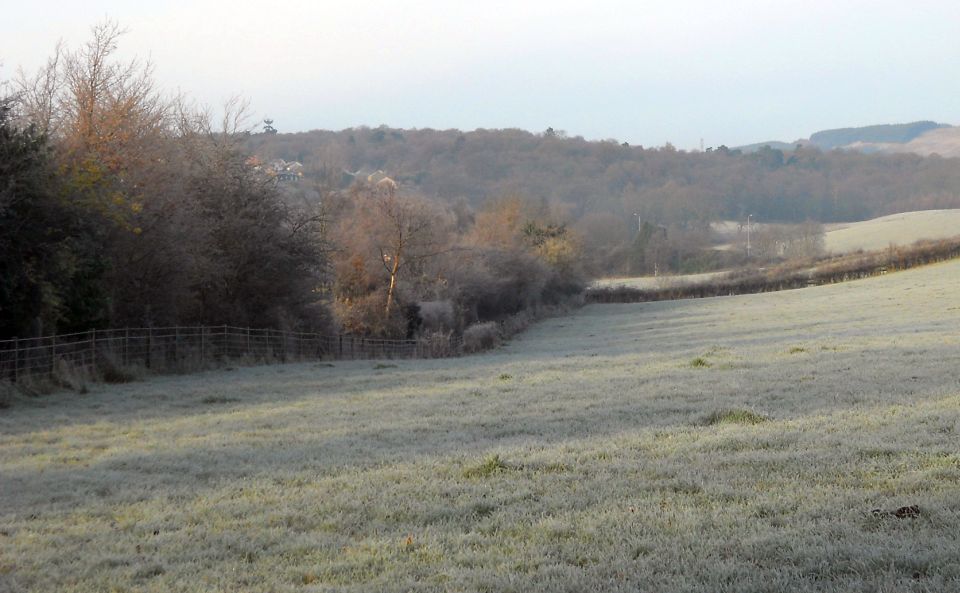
x=588, y=454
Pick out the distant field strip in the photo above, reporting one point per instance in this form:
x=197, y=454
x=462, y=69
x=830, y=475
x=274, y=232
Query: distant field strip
x=840, y=238
x=896, y=229
x=788, y=276
x=653, y=282
x=723, y=444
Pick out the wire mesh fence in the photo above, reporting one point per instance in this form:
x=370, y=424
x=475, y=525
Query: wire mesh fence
x=184, y=349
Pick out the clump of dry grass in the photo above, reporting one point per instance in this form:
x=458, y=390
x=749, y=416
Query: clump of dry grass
x=7, y=394
x=734, y=416
x=700, y=363
x=111, y=371
x=218, y=399
x=438, y=344
x=491, y=465
x=481, y=336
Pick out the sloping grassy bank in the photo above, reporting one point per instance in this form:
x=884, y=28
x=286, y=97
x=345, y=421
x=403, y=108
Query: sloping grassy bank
x=789, y=276
x=728, y=444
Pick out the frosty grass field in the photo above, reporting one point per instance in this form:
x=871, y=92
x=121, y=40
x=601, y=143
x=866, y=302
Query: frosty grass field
x=728, y=444
x=896, y=229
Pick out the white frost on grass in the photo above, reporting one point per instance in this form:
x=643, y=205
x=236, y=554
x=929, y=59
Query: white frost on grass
x=591, y=453
x=902, y=229
x=655, y=282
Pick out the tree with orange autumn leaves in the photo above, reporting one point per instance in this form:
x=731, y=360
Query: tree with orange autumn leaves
x=182, y=227
x=400, y=249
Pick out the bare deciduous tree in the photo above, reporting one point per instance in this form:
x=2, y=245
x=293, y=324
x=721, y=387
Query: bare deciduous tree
x=409, y=231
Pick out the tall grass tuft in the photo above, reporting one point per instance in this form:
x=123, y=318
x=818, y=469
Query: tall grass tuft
x=734, y=416
x=491, y=465
x=112, y=371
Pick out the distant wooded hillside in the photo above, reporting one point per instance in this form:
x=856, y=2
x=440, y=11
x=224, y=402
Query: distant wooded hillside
x=661, y=185
x=607, y=190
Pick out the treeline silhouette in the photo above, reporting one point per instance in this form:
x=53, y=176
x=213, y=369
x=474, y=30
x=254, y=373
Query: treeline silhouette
x=663, y=185
x=120, y=207
x=606, y=188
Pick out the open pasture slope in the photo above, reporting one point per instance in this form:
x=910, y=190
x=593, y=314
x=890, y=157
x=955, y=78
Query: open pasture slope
x=654, y=282
x=727, y=444
x=840, y=238
x=896, y=229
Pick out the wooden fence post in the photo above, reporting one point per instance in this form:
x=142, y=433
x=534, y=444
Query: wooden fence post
x=16, y=358
x=202, y=345
x=149, y=346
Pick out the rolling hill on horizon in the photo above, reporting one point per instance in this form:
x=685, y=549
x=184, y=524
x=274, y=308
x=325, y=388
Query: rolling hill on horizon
x=924, y=138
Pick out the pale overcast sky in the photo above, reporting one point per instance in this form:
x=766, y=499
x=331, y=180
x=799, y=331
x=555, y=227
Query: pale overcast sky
x=647, y=72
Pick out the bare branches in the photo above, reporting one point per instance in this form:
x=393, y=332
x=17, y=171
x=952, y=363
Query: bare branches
x=236, y=117
x=89, y=102
x=38, y=94
x=395, y=229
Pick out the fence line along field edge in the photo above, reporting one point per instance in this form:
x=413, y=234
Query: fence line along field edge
x=183, y=349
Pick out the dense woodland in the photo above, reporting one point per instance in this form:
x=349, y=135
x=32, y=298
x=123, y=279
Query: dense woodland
x=120, y=206
x=664, y=184
x=602, y=190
